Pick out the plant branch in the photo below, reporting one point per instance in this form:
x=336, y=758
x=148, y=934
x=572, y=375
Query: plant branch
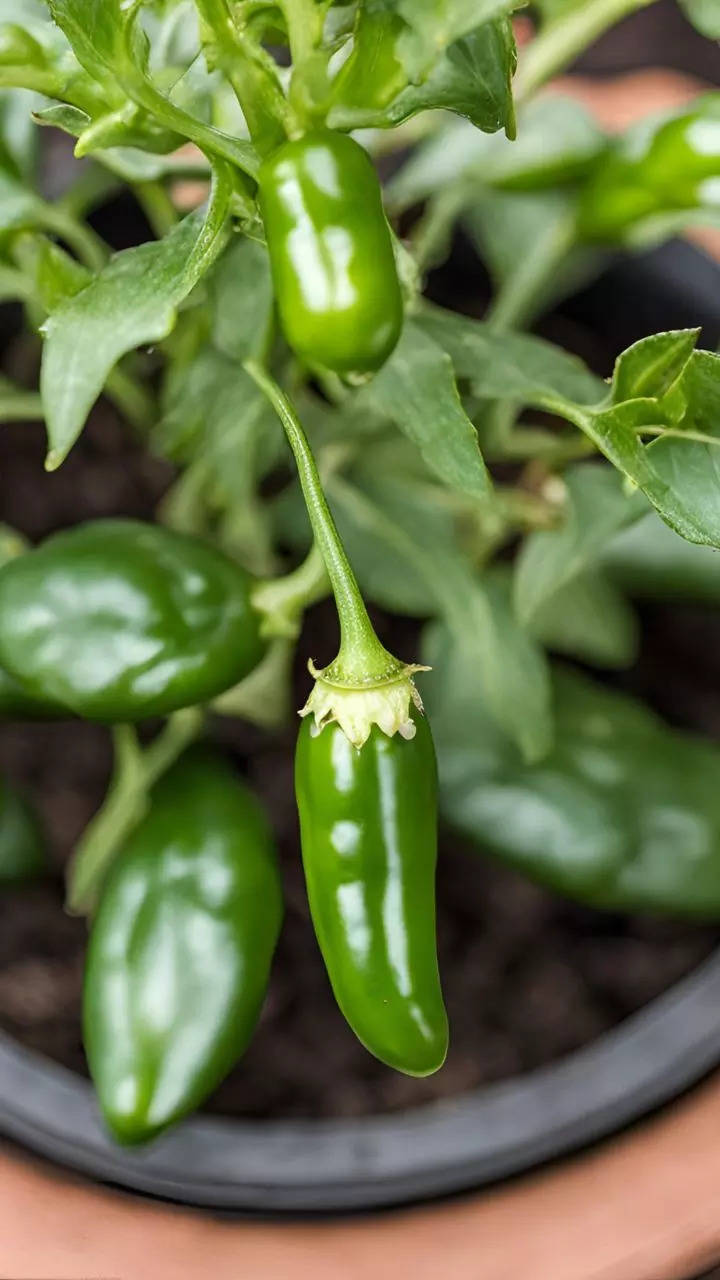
x=21, y=406
x=513, y=305
x=126, y=803
x=678, y=433
x=284, y=600
x=251, y=71
x=90, y=249
x=304, y=20
x=157, y=206
x=135, y=402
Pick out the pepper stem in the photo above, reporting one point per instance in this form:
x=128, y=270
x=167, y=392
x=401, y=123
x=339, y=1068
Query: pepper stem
x=135, y=772
x=362, y=659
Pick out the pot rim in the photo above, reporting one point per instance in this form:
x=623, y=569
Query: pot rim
x=317, y=1166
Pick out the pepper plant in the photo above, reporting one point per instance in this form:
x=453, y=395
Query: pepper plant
x=456, y=470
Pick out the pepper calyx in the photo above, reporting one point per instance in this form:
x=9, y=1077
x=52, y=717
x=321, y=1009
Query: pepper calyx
x=358, y=705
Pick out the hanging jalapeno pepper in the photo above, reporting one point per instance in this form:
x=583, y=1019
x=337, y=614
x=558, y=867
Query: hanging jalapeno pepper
x=180, y=949
x=118, y=620
x=22, y=849
x=331, y=253
x=368, y=822
x=366, y=788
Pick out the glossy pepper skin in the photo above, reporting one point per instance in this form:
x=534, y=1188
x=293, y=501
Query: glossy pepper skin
x=674, y=170
x=180, y=949
x=368, y=822
x=22, y=848
x=17, y=703
x=118, y=620
x=331, y=254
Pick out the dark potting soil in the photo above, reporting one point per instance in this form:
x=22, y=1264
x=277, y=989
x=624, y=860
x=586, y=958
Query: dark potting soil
x=527, y=976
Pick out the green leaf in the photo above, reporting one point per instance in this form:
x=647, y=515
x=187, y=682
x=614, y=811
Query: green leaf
x=686, y=509
x=597, y=507
x=652, y=365
x=133, y=301
x=220, y=427
x=62, y=116
x=543, y=819
x=558, y=142
x=436, y=24
x=705, y=15
x=473, y=78
x=502, y=224
x=416, y=390
x=132, y=165
x=113, y=48
x=510, y=365
x=101, y=33
x=622, y=814
x=384, y=516
x=652, y=562
x=214, y=412
x=701, y=388
x=20, y=208
x=507, y=663
x=31, y=17
x=589, y=619
x=18, y=136
x=241, y=300
x=22, y=846
x=679, y=474
x=52, y=273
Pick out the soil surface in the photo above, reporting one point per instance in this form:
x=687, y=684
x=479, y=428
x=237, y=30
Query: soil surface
x=527, y=976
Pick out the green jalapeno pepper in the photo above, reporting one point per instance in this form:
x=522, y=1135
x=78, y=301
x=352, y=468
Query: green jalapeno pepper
x=673, y=168
x=180, y=949
x=22, y=849
x=17, y=703
x=368, y=824
x=331, y=253
x=118, y=620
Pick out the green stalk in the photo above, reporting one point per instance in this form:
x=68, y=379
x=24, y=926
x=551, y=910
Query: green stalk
x=514, y=304
x=135, y=773
x=211, y=141
x=21, y=406
x=284, y=600
x=90, y=249
x=136, y=404
x=157, y=206
x=304, y=20
x=14, y=285
x=251, y=72
x=91, y=188
x=562, y=41
x=361, y=659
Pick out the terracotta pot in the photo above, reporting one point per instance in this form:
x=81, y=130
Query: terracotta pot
x=641, y=1208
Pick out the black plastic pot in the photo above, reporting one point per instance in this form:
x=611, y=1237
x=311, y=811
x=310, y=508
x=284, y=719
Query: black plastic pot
x=325, y=1166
